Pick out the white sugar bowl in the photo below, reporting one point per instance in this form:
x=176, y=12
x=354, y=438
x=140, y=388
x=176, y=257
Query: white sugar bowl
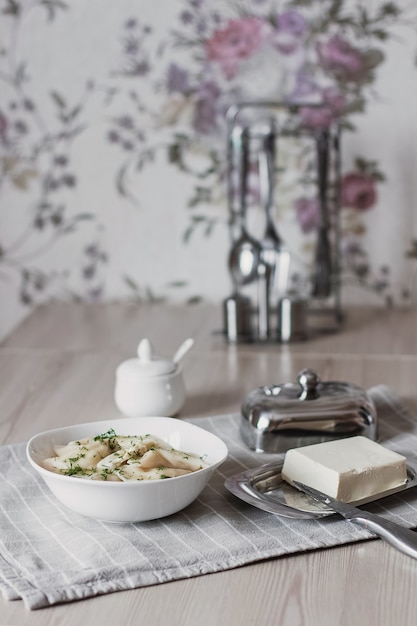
x=150, y=385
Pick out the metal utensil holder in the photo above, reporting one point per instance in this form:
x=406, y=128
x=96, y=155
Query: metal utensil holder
x=259, y=318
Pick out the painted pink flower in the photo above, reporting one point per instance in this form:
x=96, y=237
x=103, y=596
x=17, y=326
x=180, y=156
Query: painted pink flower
x=177, y=79
x=286, y=43
x=291, y=22
x=335, y=99
x=3, y=127
x=317, y=117
x=333, y=106
x=206, y=107
x=304, y=88
x=307, y=212
x=291, y=27
x=358, y=191
x=237, y=41
x=339, y=56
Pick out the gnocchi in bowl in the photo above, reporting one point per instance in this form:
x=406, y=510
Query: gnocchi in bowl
x=127, y=470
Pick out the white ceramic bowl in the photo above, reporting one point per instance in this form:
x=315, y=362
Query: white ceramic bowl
x=131, y=501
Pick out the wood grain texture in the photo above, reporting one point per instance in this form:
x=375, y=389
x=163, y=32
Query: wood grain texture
x=58, y=368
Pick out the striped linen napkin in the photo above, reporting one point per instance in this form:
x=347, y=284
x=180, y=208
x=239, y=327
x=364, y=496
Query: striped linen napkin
x=50, y=555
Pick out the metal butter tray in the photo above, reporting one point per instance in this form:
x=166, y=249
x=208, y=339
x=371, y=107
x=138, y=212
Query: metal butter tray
x=276, y=418
x=265, y=489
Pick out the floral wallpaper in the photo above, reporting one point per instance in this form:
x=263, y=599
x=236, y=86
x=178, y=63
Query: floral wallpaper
x=113, y=168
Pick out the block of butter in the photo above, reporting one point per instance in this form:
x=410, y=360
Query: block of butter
x=350, y=469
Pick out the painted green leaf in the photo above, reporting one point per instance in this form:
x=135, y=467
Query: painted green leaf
x=12, y=8
x=131, y=283
x=58, y=99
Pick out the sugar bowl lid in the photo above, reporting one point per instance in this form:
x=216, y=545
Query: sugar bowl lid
x=278, y=417
x=147, y=362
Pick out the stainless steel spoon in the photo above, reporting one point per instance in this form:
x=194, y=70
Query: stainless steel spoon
x=182, y=350
x=271, y=241
x=273, y=254
x=245, y=253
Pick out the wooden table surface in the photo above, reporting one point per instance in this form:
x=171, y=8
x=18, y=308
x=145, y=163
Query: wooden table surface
x=58, y=368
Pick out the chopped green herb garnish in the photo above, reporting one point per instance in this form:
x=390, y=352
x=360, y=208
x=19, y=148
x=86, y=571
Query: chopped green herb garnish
x=105, y=472
x=109, y=438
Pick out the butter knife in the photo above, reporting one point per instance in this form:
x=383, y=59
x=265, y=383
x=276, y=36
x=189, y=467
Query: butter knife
x=401, y=538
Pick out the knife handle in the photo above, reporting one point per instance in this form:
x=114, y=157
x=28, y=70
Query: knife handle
x=401, y=538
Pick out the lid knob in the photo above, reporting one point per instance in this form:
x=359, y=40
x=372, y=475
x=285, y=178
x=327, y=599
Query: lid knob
x=145, y=351
x=308, y=381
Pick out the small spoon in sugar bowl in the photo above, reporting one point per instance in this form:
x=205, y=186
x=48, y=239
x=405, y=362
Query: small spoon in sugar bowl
x=184, y=348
